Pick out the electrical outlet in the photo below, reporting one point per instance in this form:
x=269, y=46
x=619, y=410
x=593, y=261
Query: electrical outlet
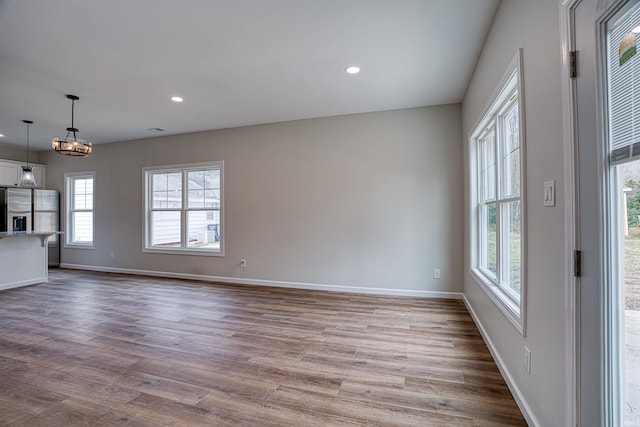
x=436, y=273
x=111, y=254
x=243, y=263
x=527, y=360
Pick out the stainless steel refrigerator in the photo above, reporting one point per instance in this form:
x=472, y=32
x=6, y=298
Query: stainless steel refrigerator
x=15, y=209
x=46, y=217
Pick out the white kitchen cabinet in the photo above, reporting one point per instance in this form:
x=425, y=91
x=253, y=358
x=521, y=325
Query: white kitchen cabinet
x=8, y=174
x=11, y=173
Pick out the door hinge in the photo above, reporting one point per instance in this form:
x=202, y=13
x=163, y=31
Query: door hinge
x=573, y=64
x=577, y=263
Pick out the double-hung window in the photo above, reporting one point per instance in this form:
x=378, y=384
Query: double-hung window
x=80, y=191
x=183, y=209
x=497, y=158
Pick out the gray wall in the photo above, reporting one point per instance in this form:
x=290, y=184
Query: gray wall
x=534, y=26
x=11, y=152
x=368, y=200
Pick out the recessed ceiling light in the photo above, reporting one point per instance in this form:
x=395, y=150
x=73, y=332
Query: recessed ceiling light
x=156, y=130
x=1, y=135
x=176, y=99
x=352, y=69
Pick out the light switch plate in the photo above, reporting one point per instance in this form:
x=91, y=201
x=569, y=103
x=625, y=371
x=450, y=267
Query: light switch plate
x=550, y=193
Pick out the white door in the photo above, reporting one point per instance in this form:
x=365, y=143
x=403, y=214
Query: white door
x=588, y=297
x=601, y=373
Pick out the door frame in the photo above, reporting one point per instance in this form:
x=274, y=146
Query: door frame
x=569, y=112
x=610, y=365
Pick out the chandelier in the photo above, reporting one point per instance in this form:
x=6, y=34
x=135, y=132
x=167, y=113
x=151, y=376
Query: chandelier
x=71, y=146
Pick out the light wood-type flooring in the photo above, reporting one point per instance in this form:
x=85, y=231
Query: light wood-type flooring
x=96, y=349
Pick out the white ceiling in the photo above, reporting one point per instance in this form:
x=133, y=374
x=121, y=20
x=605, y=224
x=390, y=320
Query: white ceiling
x=235, y=62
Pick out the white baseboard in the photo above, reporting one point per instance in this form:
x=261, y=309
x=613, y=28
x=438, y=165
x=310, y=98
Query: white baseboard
x=23, y=283
x=513, y=387
x=273, y=283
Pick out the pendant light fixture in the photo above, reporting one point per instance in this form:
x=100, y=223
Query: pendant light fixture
x=27, y=179
x=71, y=146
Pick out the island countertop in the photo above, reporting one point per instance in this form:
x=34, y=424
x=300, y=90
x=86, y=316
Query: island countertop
x=43, y=235
x=28, y=233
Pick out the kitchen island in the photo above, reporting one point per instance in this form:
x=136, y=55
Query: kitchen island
x=24, y=258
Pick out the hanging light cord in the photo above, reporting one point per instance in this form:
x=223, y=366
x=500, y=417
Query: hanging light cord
x=28, y=123
x=27, y=144
x=72, y=128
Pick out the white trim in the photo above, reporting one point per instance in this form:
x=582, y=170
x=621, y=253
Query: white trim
x=219, y=164
x=570, y=215
x=523, y=192
x=526, y=410
x=67, y=228
x=516, y=64
x=496, y=294
x=37, y=280
x=273, y=283
x=516, y=313
x=611, y=346
x=185, y=251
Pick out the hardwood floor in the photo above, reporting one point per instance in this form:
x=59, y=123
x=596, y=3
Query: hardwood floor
x=100, y=349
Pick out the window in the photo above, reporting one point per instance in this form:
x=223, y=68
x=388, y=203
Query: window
x=624, y=91
x=183, y=209
x=80, y=189
x=497, y=159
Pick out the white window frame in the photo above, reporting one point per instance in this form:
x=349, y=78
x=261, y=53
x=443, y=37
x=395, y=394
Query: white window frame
x=512, y=305
x=69, y=178
x=147, y=209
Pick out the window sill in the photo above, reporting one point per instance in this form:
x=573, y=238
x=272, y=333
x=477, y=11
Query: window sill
x=507, y=306
x=76, y=246
x=177, y=251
